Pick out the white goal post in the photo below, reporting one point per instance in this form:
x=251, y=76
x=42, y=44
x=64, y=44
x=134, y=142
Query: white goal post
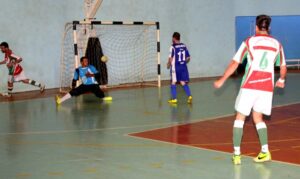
x=133, y=50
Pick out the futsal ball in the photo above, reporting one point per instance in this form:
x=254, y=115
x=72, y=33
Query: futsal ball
x=104, y=59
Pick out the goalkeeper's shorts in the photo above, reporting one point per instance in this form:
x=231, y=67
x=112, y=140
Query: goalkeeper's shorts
x=82, y=89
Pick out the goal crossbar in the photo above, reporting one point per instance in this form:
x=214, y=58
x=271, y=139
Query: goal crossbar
x=92, y=23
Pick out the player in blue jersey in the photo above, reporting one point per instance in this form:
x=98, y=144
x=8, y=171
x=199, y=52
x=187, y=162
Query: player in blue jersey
x=88, y=75
x=178, y=59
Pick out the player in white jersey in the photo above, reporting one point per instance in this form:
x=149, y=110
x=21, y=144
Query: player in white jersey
x=261, y=51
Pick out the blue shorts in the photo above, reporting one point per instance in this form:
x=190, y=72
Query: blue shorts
x=180, y=73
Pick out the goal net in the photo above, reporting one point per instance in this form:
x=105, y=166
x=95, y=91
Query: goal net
x=132, y=48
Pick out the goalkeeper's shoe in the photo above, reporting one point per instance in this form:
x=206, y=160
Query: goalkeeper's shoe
x=263, y=157
x=172, y=101
x=107, y=98
x=236, y=159
x=57, y=100
x=190, y=99
x=42, y=88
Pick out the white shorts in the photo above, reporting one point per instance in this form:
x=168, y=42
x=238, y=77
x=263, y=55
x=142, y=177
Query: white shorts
x=17, y=78
x=259, y=101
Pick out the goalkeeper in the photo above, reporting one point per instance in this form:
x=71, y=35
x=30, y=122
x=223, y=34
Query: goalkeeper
x=89, y=77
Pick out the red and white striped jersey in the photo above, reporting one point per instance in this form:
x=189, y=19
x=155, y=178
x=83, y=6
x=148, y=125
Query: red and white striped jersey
x=13, y=68
x=261, y=53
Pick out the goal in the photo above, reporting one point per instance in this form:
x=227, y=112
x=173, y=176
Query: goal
x=132, y=48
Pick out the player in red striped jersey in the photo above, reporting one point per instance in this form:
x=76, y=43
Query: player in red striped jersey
x=15, y=70
x=261, y=51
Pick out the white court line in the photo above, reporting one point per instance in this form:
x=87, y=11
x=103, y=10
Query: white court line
x=169, y=124
x=81, y=160
x=288, y=104
x=207, y=119
x=211, y=150
x=76, y=131
x=205, y=149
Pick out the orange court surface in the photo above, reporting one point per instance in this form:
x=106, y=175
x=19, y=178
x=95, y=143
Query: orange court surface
x=216, y=134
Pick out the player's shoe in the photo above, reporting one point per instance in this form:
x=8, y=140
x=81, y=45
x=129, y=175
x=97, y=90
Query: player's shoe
x=42, y=88
x=8, y=95
x=236, y=159
x=190, y=99
x=107, y=98
x=57, y=100
x=172, y=101
x=263, y=157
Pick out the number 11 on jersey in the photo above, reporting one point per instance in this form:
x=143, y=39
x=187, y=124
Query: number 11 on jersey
x=181, y=56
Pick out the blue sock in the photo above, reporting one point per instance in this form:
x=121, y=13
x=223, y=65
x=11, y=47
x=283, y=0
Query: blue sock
x=187, y=90
x=173, y=91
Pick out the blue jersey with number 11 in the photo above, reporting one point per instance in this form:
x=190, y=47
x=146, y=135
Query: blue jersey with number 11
x=179, y=54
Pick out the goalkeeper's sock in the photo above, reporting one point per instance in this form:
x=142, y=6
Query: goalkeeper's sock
x=173, y=92
x=237, y=136
x=65, y=97
x=187, y=90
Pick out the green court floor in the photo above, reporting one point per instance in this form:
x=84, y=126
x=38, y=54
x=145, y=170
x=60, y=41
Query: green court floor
x=87, y=138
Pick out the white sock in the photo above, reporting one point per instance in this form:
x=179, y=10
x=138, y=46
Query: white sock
x=237, y=150
x=66, y=97
x=265, y=148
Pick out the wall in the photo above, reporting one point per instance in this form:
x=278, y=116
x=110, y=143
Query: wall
x=274, y=7
x=201, y=24
x=33, y=29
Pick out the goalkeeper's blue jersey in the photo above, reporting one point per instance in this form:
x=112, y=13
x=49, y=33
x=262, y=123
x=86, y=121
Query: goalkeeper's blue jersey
x=81, y=73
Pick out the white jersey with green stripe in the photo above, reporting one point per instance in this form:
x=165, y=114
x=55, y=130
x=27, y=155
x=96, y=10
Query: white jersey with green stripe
x=261, y=53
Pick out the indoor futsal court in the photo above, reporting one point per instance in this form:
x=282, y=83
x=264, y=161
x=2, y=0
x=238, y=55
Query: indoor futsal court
x=52, y=126
x=138, y=135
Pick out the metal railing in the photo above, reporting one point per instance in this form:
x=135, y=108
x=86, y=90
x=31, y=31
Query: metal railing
x=293, y=63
